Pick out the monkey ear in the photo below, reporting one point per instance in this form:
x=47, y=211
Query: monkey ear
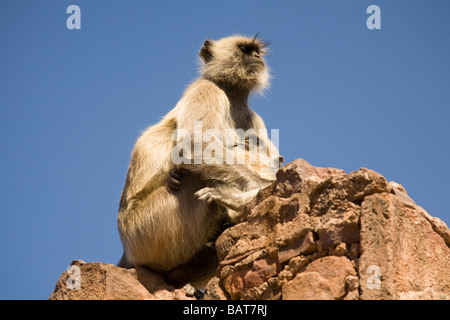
x=206, y=52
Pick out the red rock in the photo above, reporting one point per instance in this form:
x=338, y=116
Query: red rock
x=335, y=270
x=234, y=284
x=307, y=286
x=316, y=233
x=214, y=290
x=305, y=245
x=398, y=240
x=262, y=270
x=100, y=281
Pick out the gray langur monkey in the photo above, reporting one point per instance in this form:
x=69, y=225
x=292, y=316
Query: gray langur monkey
x=170, y=212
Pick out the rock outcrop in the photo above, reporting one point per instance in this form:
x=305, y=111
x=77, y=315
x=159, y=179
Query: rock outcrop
x=102, y=281
x=316, y=233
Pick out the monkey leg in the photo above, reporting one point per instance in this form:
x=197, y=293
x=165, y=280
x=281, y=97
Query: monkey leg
x=164, y=230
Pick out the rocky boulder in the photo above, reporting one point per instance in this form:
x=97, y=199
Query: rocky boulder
x=316, y=233
x=102, y=281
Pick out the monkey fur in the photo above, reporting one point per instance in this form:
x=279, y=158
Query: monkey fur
x=169, y=215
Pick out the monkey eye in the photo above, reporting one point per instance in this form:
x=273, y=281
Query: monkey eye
x=248, y=49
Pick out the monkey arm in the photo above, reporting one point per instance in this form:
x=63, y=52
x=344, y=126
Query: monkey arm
x=150, y=164
x=203, y=114
x=237, y=175
x=258, y=123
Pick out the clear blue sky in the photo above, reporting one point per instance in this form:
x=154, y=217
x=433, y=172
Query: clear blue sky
x=73, y=102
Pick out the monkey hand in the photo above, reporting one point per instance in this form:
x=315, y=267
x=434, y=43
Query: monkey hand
x=173, y=181
x=208, y=195
x=227, y=200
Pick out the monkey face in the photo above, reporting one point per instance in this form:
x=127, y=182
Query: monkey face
x=237, y=61
x=251, y=56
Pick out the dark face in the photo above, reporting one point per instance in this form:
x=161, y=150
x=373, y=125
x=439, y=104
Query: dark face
x=237, y=61
x=251, y=55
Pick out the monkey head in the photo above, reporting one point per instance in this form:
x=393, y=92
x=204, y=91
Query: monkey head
x=236, y=62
